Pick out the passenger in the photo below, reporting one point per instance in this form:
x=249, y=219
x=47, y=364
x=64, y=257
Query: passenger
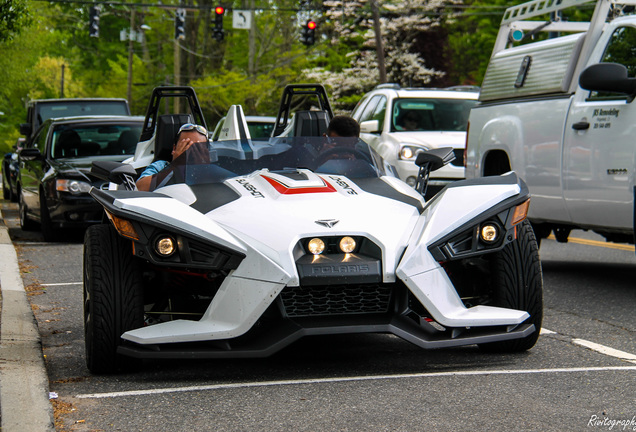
x=188, y=135
x=343, y=126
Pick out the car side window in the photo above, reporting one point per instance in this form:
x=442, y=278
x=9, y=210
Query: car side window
x=621, y=49
x=39, y=140
x=380, y=111
x=367, y=114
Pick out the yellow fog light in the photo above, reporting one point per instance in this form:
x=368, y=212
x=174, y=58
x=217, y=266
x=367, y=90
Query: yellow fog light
x=489, y=233
x=165, y=246
x=347, y=244
x=316, y=246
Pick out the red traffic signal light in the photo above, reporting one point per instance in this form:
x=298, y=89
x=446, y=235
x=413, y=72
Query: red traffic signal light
x=307, y=34
x=219, y=34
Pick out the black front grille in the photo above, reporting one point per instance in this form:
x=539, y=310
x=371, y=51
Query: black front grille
x=336, y=300
x=459, y=158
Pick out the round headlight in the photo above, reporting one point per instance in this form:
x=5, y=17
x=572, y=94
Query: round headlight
x=316, y=246
x=347, y=244
x=489, y=233
x=406, y=153
x=165, y=246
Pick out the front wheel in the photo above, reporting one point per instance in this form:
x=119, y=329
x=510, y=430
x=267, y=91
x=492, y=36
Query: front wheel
x=25, y=222
x=518, y=284
x=6, y=189
x=48, y=230
x=113, y=298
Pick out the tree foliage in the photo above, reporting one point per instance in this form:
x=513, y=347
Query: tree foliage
x=14, y=16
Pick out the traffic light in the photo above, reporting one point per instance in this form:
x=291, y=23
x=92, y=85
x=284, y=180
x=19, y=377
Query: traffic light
x=218, y=23
x=93, y=25
x=179, y=24
x=307, y=35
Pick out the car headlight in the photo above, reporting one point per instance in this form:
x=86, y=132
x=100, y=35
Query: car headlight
x=73, y=186
x=316, y=246
x=409, y=152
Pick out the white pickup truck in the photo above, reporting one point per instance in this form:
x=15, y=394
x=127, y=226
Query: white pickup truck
x=560, y=113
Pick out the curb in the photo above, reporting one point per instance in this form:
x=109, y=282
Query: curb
x=24, y=383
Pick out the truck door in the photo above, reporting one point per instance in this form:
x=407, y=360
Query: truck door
x=599, y=143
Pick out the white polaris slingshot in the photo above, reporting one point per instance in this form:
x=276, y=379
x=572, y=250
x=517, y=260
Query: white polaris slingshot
x=258, y=243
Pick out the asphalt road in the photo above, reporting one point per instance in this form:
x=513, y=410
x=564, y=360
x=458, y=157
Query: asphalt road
x=580, y=376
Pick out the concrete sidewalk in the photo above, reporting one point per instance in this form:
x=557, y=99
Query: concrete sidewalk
x=24, y=384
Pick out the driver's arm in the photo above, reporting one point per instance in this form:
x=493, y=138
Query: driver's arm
x=145, y=179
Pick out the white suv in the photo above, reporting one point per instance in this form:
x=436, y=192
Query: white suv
x=400, y=122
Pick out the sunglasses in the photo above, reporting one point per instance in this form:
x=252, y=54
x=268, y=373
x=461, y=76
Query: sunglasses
x=193, y=127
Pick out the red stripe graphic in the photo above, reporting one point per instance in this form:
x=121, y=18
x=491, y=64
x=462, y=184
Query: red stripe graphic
x=285, y=190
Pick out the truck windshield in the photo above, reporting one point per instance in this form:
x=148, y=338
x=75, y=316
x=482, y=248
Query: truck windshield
x=80, y=108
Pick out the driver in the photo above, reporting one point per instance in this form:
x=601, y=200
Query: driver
x=188, y=135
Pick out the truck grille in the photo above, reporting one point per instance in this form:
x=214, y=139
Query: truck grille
x=335, y=300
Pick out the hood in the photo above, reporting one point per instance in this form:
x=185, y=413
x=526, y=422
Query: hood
x=431, y=139
x=80, y=167
x=271, y=212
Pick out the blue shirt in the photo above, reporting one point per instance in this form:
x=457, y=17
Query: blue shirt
x=154, y=168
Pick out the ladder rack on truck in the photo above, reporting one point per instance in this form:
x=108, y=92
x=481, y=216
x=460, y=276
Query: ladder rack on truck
x=555, y=61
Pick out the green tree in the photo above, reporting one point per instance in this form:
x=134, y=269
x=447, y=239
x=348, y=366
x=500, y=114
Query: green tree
x=14, y=17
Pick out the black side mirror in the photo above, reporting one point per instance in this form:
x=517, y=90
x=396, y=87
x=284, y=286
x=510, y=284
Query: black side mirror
x=25, y=129
x=610, y=77
x=116, y=172
x=429, y=161
x=30, y=154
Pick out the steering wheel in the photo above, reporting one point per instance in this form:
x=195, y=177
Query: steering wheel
x=325, y=156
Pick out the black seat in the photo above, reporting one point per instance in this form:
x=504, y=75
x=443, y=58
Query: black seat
x=167, y=128
x=68, y=144
x=310, y=123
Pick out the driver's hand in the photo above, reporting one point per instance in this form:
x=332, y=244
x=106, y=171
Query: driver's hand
x=182, y=145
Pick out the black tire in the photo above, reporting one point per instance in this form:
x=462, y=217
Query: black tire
x=6, y=189
x=113, y=298
x=49, y=232
x=518, y=284
x=25, y=222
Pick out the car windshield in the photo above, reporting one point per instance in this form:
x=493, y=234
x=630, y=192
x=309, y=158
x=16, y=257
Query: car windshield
x=431, y=114
x=71, y=141
x=260, y=129
x=217, y=161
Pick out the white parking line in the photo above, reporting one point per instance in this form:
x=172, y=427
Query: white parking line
x=597, y=347
x=606, y=350
x=351, y=379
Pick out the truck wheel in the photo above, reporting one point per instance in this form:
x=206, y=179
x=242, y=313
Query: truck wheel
x=113, y=298
x=48, y=231
x=518, y=284
x=25, y=223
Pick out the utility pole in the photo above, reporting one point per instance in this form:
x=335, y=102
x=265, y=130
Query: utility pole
x=62, y=82
x=251, y=66
x=379, y=46
x=130, y=57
